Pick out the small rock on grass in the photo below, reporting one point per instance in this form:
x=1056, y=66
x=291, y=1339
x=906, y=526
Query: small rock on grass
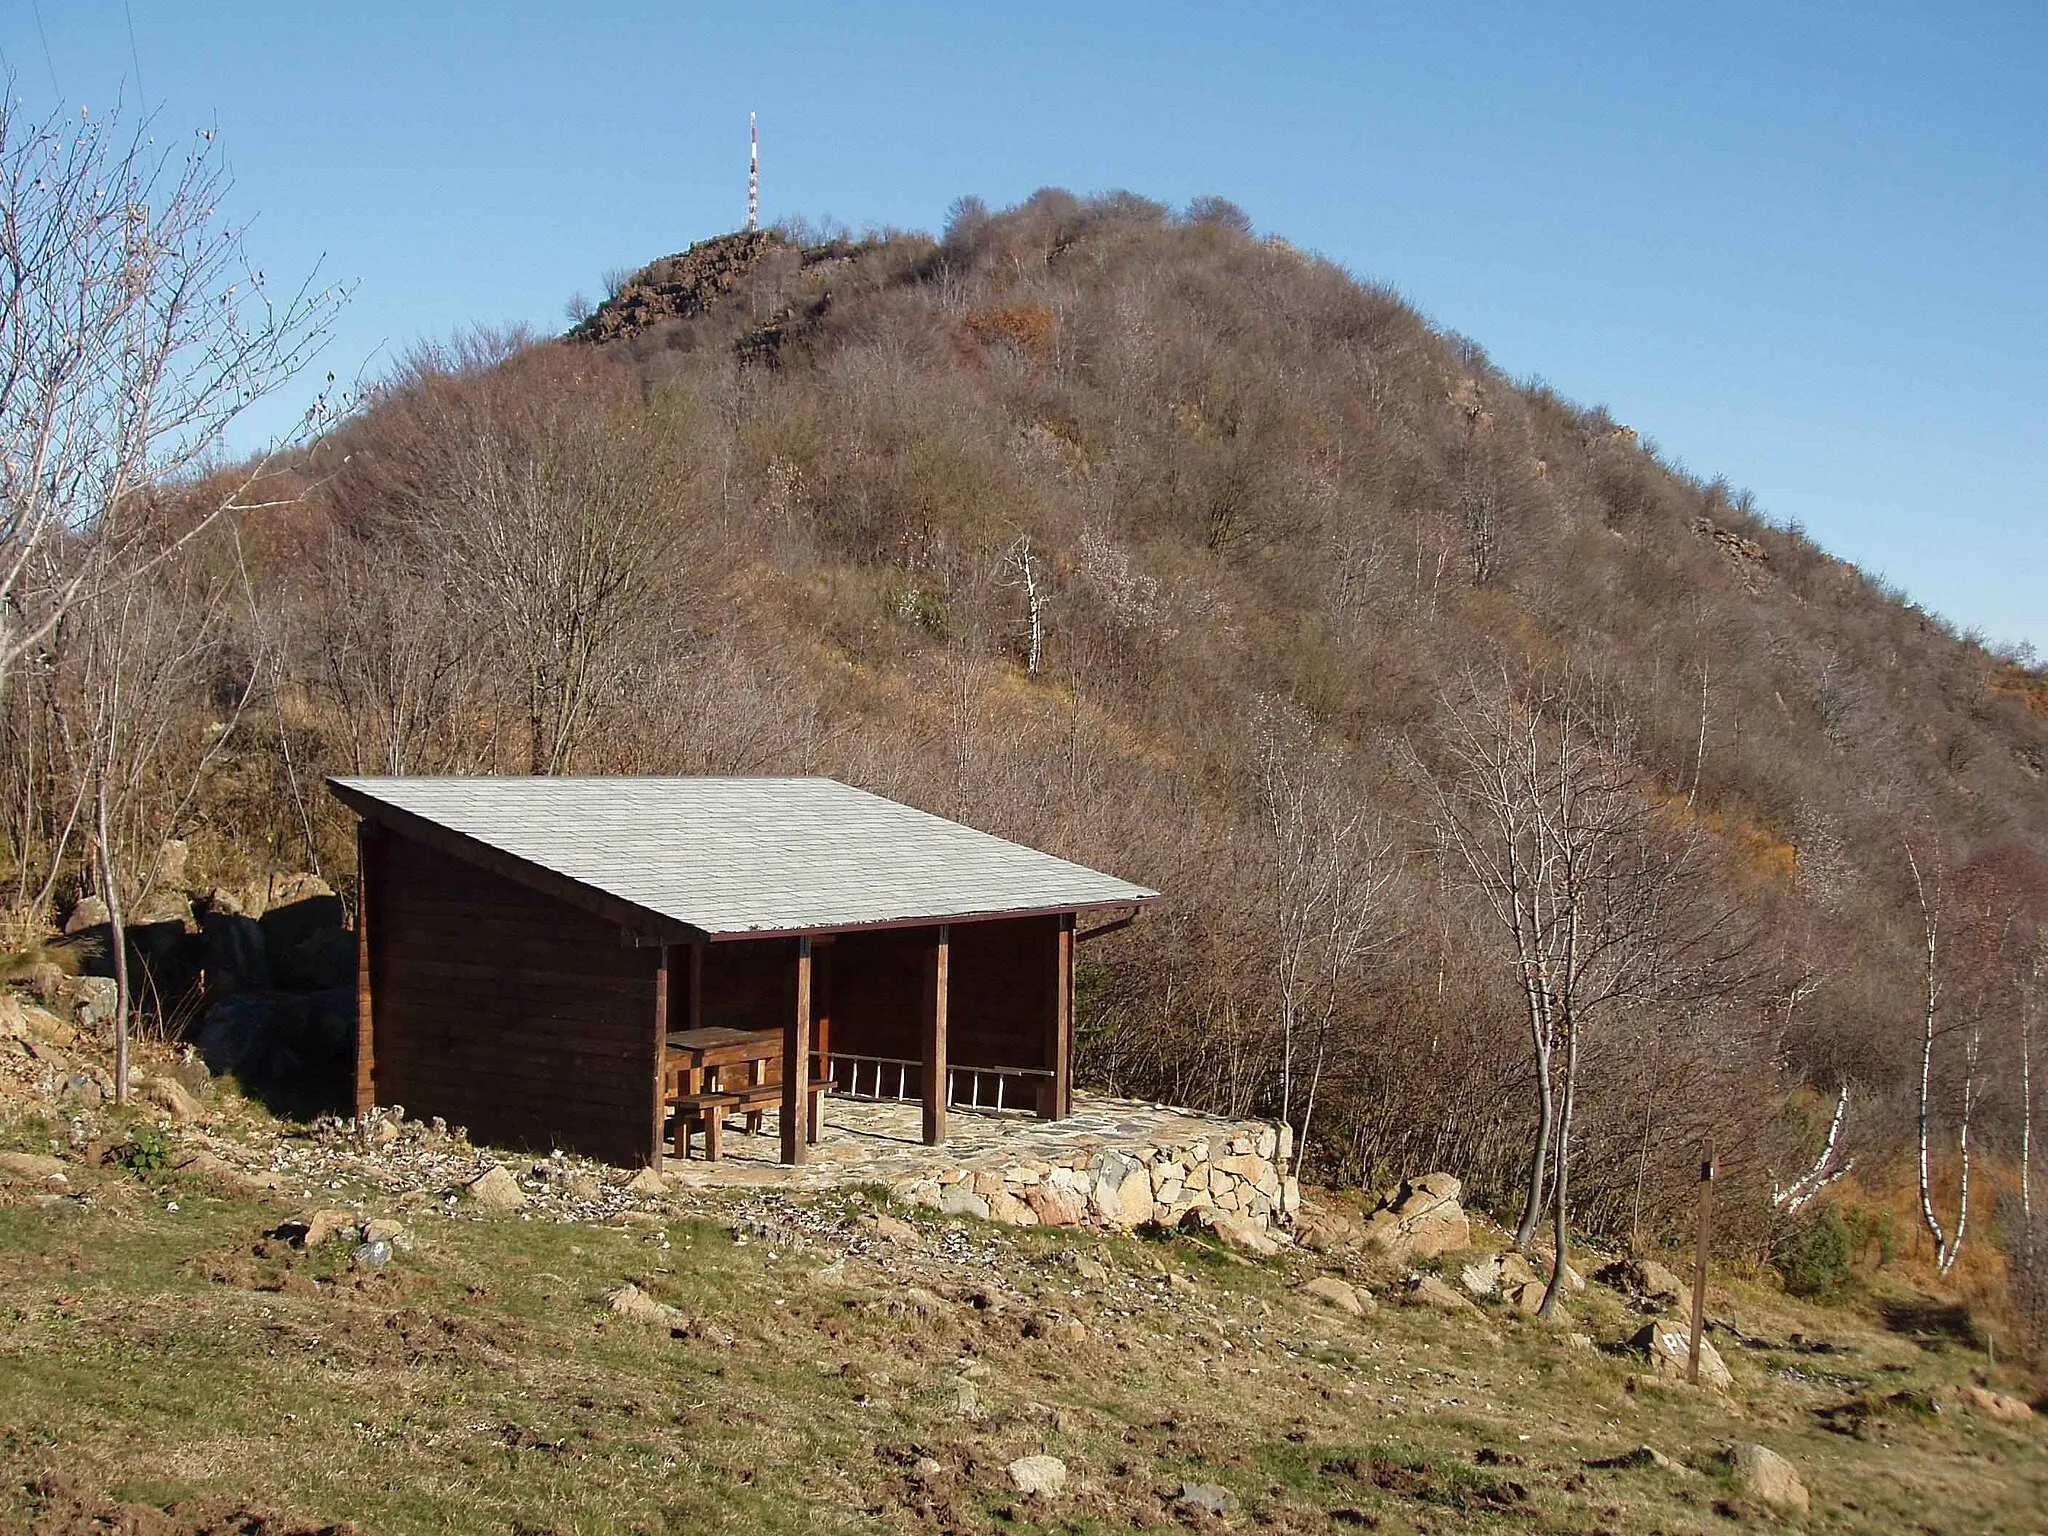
x=1429, y=1291
x=1233, y=1233
x=172, y=1096
x=1641, y=1456
x=1210, y=1498
x=634, y=1304
x=1090, y=1268
x=323, y=1226
x=1763, y=1474
x=1042, y=1475
x=910, y=1301
x=1668, y=1343
x=31, y=1168
x=1340, y=1294
x=1996, y=1405
x=496, y=1189
x=892, y=1228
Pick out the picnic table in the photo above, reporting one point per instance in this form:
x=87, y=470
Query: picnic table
x=694, y=1080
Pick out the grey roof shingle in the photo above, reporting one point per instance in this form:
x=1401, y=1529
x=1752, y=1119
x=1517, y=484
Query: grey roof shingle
x=749, y=855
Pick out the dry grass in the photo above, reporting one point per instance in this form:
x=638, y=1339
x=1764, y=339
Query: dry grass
x=180, y=1357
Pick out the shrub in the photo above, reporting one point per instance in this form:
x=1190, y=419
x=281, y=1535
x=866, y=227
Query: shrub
x=147, y=1153
x=1814, y=1258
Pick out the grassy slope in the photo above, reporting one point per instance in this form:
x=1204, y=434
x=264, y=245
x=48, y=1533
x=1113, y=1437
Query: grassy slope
x=481, y=1383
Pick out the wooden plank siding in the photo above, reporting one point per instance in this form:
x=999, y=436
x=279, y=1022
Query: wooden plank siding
x=1002, y=1001
x=748, y=984
x=506, y=1010
x=1001, y=992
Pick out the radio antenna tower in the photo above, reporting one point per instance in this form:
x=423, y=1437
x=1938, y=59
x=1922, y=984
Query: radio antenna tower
x=753, y=174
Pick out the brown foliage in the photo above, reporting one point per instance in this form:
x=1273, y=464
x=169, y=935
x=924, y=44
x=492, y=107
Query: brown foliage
x=1243, y=475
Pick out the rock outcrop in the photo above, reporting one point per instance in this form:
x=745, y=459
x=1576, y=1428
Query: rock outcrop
x=1650, y=1283
x=1422, y=1220
x=677, y=287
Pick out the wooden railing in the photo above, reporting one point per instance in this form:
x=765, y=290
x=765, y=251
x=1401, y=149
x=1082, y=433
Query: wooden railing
x=989, y=1090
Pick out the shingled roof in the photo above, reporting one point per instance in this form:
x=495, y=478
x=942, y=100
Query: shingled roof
x=732, y=857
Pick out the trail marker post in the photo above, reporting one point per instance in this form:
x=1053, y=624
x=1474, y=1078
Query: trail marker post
x=1699, y=1265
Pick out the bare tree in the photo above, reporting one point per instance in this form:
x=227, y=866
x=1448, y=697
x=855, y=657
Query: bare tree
x=2030, y=1002
x=408, y=673
x=549, y=530
x=1329, y=870
x=1019, y=560
x=147, y=647
x=136, y=333
x=1605, y=903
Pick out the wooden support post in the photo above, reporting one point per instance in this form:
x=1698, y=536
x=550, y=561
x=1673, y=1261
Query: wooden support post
x=1699, y=1264
x=938, y=962
x=1055, y=1102
x=821, y=1001
x=664, y=969
x=696, y=984
x=367, y=840
x=796, y=1060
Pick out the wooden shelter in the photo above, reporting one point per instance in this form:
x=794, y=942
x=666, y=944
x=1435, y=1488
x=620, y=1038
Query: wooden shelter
x=552, y=961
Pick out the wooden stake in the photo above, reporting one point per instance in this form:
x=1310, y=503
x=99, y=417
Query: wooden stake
x=1699, y=1265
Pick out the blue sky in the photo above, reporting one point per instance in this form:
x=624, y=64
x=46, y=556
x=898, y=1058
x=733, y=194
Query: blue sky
x=1798, y=245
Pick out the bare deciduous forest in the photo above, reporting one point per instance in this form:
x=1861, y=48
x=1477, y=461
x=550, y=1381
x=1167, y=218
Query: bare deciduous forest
x=1525, y=805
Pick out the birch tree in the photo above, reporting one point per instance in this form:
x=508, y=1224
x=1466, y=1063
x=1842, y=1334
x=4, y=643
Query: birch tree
x=1930, y=893
x=1602, y=903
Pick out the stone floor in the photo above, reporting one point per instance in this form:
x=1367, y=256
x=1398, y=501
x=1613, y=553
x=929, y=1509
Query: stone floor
x=882, y=1143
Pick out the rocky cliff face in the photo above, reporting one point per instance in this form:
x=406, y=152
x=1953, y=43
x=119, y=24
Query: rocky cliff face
x=677, y=287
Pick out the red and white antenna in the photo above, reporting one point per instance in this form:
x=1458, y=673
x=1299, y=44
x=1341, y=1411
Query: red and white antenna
x=753, y=174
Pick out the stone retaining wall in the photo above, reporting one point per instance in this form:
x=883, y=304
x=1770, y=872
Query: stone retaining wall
x=1240, y=1170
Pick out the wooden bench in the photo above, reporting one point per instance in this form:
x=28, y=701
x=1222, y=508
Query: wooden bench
x=709, y=1110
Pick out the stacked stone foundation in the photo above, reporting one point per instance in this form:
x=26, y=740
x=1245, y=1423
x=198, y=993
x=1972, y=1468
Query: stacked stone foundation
x=1240, y=1170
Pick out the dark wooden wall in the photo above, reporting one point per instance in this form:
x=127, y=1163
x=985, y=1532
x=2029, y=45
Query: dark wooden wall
x=877, y=991
x=749, y=984
x=1001, y=1008
x=502, y=1009
x=999, y=1005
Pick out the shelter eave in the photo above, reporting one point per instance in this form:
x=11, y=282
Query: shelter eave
x=640, y=920
x=929, y=920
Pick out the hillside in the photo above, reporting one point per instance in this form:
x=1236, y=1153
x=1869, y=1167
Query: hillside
x=190, y=1347
x=1137, y=537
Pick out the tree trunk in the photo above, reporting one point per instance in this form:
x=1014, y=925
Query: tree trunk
x=1955, y=1247
x=2027, y=1096
x=117, y=937
x=1927, y=1016
x=1559, y=1190
x=1546, y=1115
